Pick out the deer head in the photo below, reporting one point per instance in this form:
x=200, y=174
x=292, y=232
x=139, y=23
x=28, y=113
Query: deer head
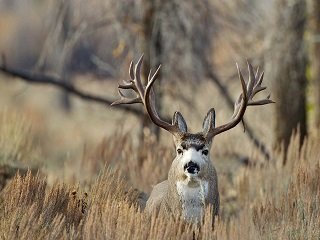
x=192, y=180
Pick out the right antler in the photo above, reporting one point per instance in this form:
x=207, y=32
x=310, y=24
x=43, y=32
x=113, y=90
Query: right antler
x=245, y=99
x=144, y=95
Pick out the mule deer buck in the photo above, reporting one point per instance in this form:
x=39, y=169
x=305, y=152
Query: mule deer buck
x=192, y=179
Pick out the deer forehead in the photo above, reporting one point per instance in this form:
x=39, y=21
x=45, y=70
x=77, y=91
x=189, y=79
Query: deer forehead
x=196, y=141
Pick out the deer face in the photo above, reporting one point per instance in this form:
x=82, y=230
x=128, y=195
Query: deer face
x=192, y=158
x=192, y=161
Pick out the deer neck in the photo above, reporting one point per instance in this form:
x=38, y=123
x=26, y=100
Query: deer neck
x=192, y=198
x=188, y=196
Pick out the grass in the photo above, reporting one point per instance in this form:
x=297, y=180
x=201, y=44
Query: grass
x=262, y=201
x=17, y=142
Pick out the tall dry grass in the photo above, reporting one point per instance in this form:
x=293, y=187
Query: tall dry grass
x=17, y=141
x=262, y=201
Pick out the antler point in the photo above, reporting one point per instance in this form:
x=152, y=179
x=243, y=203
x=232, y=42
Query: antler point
x=141, y=58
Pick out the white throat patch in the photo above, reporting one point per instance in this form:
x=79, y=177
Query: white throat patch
x=192, y=199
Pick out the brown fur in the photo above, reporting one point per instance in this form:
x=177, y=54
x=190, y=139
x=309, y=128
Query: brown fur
x=164, y=196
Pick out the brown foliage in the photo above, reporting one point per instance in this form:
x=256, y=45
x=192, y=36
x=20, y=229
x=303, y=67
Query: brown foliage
x=271, y=201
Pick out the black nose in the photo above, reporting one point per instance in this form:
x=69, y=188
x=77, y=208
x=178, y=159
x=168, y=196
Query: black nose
x=192, y=167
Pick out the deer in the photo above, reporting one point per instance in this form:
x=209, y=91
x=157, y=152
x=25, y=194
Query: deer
x=192, y=182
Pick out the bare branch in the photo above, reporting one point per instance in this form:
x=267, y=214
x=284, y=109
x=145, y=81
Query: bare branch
x=59, y=83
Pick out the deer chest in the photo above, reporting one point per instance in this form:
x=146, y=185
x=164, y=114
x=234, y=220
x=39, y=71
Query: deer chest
x=192, y=200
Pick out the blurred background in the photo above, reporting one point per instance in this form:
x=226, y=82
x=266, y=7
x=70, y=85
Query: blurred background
x=62, y=60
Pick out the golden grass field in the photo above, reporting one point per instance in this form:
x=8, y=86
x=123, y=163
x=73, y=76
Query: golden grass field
x=84, y=175
x=91, y=184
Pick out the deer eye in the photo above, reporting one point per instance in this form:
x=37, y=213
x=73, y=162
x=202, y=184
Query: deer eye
x=179, y=151
x=205, y=152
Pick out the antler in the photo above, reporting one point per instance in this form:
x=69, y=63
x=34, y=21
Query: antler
x=245, y=99
x=144, y=95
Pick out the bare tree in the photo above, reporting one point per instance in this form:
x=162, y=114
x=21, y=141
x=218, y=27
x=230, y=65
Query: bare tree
x=152, y=48
x=61, y=38
x=64, y=41
x=286, y=66
x=314, y=55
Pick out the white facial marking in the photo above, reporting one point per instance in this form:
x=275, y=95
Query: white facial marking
x=196, y=157
x=192, y=155
x=192, y=199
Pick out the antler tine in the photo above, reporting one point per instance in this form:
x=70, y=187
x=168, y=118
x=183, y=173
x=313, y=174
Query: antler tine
x=243, y=84
x=258, y=88
x=127, y=85
x=252, y=79
x=137, y=77
x=267, y=100
x=150, y=106
x=257, y=72
x=134, y=84
x=152, y=78
x=131, y=72
x=124, y=100
x=249, y=90
x=145, y=95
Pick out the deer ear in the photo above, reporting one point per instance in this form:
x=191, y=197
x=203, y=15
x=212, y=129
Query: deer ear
x=179, y=121
x=209, y=121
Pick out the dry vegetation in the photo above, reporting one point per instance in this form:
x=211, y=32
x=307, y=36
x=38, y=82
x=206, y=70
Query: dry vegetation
x=88, y=176
x=263, y=201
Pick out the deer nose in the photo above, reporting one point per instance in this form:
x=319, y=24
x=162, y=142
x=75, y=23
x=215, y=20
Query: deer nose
x=192, y=167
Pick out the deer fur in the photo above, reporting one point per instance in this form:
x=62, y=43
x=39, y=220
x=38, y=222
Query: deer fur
x=185, y=194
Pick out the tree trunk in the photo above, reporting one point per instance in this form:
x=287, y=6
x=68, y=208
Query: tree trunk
x=286, y=67
x=59, y=40
x=314, y=55
x=63, y=68
x=152, y=50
